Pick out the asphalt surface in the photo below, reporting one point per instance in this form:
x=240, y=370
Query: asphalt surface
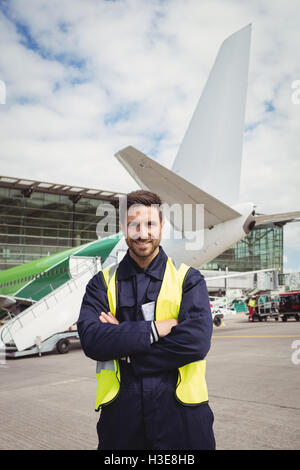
x=253, y=375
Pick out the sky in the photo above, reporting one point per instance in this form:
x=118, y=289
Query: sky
x=86, y=78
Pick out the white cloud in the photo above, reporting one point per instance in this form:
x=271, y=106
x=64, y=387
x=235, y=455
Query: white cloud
x=85, y=79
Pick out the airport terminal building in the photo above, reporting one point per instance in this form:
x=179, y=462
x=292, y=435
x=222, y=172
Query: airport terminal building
x=39, y=218
x=260, y=249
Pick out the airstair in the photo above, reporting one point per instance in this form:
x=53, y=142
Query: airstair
x=54, y=313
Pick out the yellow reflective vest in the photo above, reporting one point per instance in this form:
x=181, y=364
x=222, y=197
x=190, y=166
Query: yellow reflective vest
x=191, y=388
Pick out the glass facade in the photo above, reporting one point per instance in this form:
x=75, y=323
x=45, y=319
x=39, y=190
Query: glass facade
x=43, y=224
x=35, y=224
x=260, y=249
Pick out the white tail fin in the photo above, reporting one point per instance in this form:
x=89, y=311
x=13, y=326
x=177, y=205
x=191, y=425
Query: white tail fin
x=211, y=151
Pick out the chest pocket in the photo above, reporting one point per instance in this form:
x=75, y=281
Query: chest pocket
x=126, y=300
x=152, y=293
x=126, y=310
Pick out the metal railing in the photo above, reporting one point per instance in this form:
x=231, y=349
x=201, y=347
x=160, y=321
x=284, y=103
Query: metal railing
x=5, y=332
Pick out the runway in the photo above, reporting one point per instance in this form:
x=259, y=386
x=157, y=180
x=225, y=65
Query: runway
x=253, y=375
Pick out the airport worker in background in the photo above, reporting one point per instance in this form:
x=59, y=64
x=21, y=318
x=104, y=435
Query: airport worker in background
x=148, y=325
x=251, y=307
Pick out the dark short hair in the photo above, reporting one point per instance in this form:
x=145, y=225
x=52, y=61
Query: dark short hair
x=140, y=197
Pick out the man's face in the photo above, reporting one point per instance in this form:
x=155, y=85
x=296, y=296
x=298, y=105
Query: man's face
x=143, y=230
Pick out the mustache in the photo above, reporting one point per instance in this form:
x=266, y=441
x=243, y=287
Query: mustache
x=139, y=239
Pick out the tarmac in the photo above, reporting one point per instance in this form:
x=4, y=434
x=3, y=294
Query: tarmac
x=253, y=376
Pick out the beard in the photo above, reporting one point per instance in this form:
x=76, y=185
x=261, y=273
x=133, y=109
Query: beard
x=143, y=251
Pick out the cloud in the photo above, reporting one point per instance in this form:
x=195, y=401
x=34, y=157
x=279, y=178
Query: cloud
x=85, y=79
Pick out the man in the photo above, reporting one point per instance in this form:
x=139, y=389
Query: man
x=149, y=326
x=251, y=308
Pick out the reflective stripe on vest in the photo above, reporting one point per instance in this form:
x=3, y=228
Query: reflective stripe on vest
x=191, y=388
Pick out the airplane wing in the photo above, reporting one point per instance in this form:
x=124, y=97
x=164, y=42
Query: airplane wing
x=277, y=219
x=173, y=188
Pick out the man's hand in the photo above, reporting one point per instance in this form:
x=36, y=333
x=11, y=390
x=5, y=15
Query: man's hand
x=108, y=318
x=164, y=327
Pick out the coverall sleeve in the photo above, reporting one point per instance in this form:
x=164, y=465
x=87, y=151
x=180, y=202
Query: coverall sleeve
x=188, y=341
x=105, y=341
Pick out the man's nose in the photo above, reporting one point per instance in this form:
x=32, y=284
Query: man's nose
x=143, y=231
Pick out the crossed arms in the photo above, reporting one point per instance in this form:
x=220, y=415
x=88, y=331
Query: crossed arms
x=180, y=342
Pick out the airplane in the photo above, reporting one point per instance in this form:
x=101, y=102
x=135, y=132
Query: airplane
x=206, y=171
x=30, y=282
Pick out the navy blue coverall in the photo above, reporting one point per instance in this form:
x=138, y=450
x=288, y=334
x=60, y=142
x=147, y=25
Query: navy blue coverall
x=146, y=414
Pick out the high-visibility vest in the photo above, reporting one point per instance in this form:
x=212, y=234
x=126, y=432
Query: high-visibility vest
x=191, y=388
x=251, y=303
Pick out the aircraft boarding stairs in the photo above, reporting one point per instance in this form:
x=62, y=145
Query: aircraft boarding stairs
x=53, y=314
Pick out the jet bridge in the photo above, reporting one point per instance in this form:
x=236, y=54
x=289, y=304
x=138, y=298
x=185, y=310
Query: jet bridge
x=252, y=281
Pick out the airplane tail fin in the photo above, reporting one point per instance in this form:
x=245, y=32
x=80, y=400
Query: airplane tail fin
x=211, y=151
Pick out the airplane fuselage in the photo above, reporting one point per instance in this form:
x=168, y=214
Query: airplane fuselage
x=38, y=278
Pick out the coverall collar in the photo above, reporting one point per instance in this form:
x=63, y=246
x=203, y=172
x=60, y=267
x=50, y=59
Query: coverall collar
x=128, y=267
